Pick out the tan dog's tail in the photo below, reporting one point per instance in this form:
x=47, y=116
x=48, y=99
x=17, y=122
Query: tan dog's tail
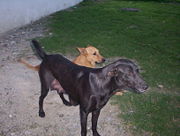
x=36, y=68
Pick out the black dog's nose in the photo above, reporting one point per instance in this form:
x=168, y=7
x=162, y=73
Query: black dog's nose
x=146, y=87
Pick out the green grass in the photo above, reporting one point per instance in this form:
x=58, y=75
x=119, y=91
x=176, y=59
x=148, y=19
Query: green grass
x=150, y=36
x=156, y=113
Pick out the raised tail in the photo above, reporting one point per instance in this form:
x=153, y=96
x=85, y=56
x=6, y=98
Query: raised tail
x=38, y=49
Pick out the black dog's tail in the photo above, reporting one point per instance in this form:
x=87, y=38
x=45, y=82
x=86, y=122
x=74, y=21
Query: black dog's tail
x=38, y=49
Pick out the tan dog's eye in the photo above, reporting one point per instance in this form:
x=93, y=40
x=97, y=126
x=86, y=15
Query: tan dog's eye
x=94, y=53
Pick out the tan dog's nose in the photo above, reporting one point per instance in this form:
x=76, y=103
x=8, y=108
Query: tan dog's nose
x=103, y=59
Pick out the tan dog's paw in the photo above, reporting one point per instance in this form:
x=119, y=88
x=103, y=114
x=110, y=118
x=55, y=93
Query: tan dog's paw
x=119, y=93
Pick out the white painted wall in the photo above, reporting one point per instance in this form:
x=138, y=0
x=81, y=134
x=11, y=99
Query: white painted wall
x=16, y=13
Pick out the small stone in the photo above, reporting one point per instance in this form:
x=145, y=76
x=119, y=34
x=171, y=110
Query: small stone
x=131, y=111
x=61, y=115
x=132, y=26
x=12, y=134
x=27, y=133
x=160, y=86
x=130, y=9
x=12, y=42
x=10, y=116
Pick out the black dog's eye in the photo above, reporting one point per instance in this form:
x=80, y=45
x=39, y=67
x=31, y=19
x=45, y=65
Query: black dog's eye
x=126, y=77
x=94, y=53
x=137, y=70
x=129, y=74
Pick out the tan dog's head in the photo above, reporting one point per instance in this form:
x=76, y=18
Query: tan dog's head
x=92, y=54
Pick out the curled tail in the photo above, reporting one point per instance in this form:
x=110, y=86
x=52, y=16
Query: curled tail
x=38, y=49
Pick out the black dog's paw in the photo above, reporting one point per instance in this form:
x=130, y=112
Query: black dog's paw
x=96, y=134
x=42, y=114
x=67, y=104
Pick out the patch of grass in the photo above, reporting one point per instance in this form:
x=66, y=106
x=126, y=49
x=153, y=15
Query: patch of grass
x=154, y=112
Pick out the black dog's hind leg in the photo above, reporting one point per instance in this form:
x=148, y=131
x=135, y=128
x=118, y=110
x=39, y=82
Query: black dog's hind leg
x=95, y=116
x=64, y=100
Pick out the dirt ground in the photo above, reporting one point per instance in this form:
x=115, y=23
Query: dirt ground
x=20, y=90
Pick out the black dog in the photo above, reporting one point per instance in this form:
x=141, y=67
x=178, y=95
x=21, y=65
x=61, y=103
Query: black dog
x=87, y=87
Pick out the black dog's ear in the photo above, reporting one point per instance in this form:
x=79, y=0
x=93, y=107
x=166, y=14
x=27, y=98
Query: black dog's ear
x=113, y=72
x=116, y=71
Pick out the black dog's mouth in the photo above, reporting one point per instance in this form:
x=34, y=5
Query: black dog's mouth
x=140, y=90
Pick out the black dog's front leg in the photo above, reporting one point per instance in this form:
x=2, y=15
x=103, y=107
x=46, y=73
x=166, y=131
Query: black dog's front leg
x=83, y=119
x=95, y=116
x=44, y=92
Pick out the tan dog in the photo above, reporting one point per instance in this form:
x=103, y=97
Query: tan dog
x=88, y=57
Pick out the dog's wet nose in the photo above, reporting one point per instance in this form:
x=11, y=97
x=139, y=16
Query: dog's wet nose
x=146, y=87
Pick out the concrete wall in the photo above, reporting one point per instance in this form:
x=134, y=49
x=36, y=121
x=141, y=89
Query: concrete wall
x=16, y=13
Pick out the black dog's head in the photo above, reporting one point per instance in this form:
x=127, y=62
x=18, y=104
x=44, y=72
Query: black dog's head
x=126, y=76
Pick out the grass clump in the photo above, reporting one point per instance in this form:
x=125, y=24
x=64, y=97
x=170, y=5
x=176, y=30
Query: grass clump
x=154, y=112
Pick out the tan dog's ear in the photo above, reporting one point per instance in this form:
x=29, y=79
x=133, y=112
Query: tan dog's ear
x=89, y=46
x=81, y=50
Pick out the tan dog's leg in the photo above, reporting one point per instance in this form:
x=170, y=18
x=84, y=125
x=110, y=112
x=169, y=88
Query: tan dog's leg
x=120, y=93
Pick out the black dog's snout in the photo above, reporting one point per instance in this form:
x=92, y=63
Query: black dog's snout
x=145, y=87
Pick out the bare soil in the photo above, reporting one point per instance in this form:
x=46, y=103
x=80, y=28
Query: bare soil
x=20, y=90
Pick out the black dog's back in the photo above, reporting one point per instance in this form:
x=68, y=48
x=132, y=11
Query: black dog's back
x=66, y=72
